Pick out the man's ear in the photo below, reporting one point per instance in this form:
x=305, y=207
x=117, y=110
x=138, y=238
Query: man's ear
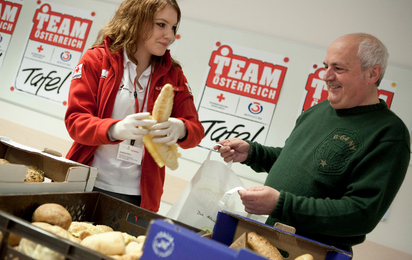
x=375, y=73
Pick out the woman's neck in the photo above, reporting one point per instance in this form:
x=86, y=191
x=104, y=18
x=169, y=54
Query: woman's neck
x=143, y=61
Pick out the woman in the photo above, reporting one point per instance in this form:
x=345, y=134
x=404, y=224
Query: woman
x=112, y=93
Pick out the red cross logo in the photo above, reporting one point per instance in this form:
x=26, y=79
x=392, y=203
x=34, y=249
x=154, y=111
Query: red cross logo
x=40, y=48
x=220, y=98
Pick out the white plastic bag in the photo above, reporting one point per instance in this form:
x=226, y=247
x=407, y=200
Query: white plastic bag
x=213, y=188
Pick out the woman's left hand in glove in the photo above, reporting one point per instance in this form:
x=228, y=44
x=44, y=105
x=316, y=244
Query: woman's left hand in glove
x=168, y=132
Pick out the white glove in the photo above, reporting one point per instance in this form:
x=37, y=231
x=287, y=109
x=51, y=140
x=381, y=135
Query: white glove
x=168, y=132
x=128, y=128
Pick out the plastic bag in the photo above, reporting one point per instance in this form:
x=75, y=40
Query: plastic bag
x=213, y=188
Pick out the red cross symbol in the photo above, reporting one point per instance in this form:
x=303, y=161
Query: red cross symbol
x=40, y=48
x=76, y=69
x=220, y=98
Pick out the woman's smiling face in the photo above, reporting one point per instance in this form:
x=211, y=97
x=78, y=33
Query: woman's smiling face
x=163, y=32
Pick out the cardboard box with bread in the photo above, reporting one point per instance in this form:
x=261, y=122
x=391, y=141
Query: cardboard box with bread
x=27, y=170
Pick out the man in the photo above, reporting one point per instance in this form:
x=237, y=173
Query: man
x=344, y=161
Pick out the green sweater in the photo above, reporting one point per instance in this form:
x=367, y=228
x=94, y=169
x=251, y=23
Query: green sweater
x=337, y=173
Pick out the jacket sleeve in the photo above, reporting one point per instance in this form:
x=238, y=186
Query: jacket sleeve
x=85, y=121
x=185, y=110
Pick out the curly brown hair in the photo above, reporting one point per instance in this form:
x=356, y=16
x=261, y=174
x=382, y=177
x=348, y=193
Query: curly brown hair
x=132, y=22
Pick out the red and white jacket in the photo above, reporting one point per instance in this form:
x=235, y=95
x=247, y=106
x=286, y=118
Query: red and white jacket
x=92, y=94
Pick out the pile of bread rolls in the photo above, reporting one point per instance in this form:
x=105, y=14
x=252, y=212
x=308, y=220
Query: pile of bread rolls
x=56, y=219
x=33, y=174
x=262, y=246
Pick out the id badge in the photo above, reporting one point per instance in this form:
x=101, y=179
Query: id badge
x=130, y=153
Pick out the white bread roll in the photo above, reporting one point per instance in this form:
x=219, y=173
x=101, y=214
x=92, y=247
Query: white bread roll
x=108, y=243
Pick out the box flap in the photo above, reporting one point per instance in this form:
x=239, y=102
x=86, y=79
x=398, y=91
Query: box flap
x=13, y=172
x=92, y=179
x=77, y=173
x=40, y=187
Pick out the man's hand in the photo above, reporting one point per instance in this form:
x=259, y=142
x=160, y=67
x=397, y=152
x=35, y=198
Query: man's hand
x=233, y=149
x=259, y=200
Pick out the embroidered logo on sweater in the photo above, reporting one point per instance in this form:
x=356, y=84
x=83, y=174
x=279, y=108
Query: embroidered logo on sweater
x=78, y=71
x=335, y=151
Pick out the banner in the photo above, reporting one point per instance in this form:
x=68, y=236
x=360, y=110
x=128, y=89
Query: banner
x=9, y=14
x=316, y=89
x=241, y=92
x=55, y=45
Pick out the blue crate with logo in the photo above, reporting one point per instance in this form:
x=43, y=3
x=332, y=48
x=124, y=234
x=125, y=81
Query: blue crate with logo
x=169, y=241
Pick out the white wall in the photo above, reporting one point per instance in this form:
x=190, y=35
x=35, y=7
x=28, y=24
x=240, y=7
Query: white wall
x=316, y=22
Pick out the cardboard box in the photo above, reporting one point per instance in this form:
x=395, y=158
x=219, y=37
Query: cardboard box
x=166, y=241
x=230, y=226
x=16, y=211
x=63, y=175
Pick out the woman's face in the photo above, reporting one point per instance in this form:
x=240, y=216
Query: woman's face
x=162, y=33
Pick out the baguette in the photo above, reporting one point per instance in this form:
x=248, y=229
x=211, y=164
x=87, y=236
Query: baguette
x=304, y=257
x=163, y=154
x=262, y=246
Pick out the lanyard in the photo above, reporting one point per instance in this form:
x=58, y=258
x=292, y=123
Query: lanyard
x=144, y=98
x=145, y=93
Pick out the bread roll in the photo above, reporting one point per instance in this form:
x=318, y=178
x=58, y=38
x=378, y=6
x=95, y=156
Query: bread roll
x=108, y=243
x=4, y=161
x=54, y=214
x=14, y=240
x=133, y=247
x=85, y=229
x=133, y=256
x=34, y=175
x=262, y=246
x=38, y=251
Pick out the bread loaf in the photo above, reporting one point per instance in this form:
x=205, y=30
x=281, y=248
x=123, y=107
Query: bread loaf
x=262, y=246
x=163, y=154
x=304, y=257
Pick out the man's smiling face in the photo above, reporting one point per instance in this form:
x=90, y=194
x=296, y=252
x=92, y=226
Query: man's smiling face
x=347, y=83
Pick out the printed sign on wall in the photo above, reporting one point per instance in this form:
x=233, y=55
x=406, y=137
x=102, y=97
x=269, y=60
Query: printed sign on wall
x=9, y=14
x=317, y=91
x=56, y=42
x=241, y=92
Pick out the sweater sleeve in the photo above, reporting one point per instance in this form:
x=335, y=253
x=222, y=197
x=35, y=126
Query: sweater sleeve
x=261, y=158
x=365, y=201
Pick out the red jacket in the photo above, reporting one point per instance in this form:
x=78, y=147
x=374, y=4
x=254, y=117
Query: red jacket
x=91, y=99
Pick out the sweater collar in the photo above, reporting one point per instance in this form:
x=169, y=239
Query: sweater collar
x=363, y=109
